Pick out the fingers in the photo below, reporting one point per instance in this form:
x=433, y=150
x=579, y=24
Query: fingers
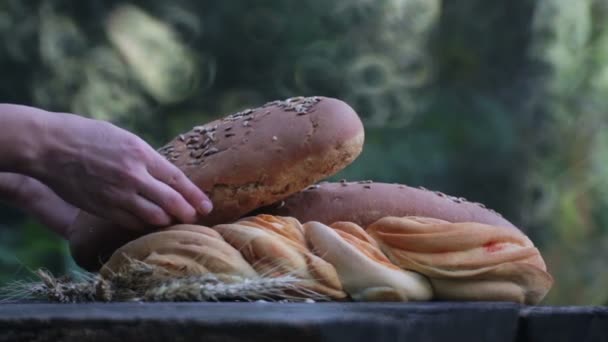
x=174, y=178
x=142, y=204
x=126, y=220
x=11, y=185
x=149, y=212
x=169, y=200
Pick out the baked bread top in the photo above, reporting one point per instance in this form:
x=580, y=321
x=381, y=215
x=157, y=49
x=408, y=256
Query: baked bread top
x=365, y=202
x=258, y=156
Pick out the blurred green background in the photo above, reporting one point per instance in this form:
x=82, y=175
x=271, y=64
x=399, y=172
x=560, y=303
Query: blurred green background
x=502, y=102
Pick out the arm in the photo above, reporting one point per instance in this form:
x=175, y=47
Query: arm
x=21, y=128
x=97, y=167
x=37, y=200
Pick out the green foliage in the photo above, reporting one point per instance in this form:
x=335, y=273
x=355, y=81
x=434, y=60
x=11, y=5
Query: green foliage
x=27, y=247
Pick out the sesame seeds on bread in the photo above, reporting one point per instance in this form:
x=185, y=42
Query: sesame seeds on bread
x=258, y=156
x=365, y=202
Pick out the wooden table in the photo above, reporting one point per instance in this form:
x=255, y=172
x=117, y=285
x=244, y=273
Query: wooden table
x=434, y=321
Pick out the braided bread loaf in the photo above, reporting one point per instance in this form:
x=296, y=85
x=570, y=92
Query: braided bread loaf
x=183, y=250
x=366, y=273
x=394, y=259
x=466, y=261
x=276, y=246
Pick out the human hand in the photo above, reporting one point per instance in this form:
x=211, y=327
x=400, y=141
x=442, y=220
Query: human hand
x=38, y=200
x=113, y=174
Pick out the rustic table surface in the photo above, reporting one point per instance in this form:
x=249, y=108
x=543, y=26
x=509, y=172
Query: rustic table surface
x=308, y=322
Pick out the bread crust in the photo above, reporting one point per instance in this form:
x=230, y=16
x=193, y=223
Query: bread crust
x=276, y=246
x=393, y=259
x=267, y=153
x=466, y=261
x=365, y=272
x=242, y=162
x=182, y=250
x=365, y=202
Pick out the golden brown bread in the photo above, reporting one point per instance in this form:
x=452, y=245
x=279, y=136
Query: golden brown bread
x=183, y=250
x=366, y=202
x=256, y=157
x=365, y=272
x=276, y=246
x=395, y=259
x=509, y=282
x=466, y=261
x=244, y=161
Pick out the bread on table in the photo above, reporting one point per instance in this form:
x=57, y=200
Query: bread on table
x=365, y=202
x=467, y=251
x=466, y=260
x=258, y=156
x=276, y=246
x=362, y=241
x=365, y=272
x=394, y=259
x=242, y=162
x=182, y=250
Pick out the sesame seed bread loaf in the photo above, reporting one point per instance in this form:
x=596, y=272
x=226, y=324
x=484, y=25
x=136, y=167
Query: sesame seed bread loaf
x=258, y=156
x=245, y=161
x=365, y=202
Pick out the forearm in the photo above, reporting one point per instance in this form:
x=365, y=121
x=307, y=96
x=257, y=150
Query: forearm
x=50, y=210
x=38, y=143
x=37, y=200
x=98, y=167
x=22, y=139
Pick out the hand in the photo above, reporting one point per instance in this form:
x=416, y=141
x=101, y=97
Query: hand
x=113, y=174
x=37, y=200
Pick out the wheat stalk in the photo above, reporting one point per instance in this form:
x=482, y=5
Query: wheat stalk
x=62, y=290
x=138, y=281
x=210, y=288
